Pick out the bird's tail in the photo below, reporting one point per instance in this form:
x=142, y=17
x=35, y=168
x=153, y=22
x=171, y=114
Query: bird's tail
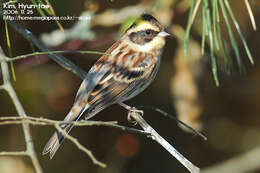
x=57, y=138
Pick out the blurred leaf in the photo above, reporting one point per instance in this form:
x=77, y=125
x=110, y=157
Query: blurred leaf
x=38, y=9
x=231, y=36
x=127, y=23
x=48, y=11
x=31, y=45
x=223, y=51
x=156, y=5
x=204, y=31
x=239, y=32
x=187, y=35
x=212, y=55
x=51, y=12
x=8, y=42
x=215, y=19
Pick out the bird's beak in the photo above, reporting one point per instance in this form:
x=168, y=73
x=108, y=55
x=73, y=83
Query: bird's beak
x=163, y=34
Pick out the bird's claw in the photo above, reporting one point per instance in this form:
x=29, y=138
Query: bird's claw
x=132, y=110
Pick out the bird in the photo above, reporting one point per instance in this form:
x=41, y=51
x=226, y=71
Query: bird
x=126, y=69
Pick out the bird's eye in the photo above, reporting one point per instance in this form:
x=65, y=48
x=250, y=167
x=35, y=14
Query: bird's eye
x=148, y=32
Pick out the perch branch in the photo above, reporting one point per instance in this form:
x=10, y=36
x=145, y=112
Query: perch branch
x=155, y=136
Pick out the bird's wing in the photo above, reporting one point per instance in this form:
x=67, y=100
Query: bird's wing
x=115, y=83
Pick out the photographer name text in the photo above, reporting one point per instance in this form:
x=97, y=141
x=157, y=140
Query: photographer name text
x=25, y=6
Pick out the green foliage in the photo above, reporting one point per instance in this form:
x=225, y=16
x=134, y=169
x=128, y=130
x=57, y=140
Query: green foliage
x=8, y=42
x=211, y=29
x=127, y=23
x=47, y=10
x=39, y=9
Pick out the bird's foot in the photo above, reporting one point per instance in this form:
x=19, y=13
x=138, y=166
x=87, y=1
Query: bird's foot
x=130, y=111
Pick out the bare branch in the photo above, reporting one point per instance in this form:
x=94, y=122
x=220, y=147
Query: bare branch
x=155, y=136
x=26, y=129
x=45, y=121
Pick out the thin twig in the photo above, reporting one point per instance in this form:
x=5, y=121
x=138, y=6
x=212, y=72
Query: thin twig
x=155, y=136
x=19, y=108
x=166, y=114
x=53, y=52
x=14, y=153
x=45, y=121
x=81, y=147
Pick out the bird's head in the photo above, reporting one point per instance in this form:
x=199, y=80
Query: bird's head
x=146, y=33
